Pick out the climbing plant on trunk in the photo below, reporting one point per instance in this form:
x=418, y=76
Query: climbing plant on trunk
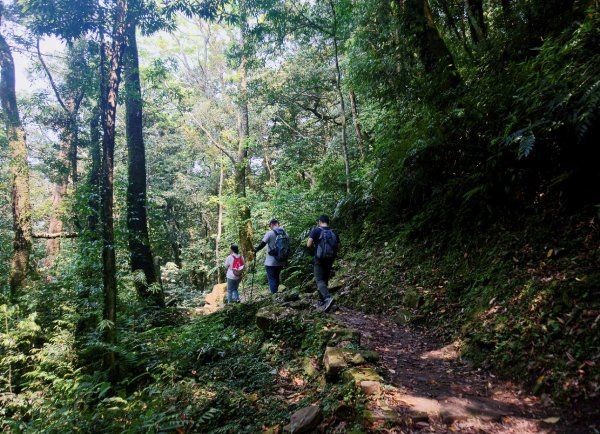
x=19, y=169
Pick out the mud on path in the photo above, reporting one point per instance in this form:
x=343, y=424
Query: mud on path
x=431, y=389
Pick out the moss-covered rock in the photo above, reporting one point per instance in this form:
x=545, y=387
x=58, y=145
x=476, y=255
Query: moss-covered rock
x=274, y=318
x=358, y=374
x=412, y=299
x=334, y=361
x=334, y=337
x=310, y=366
x=337, y=359
x=304, y=420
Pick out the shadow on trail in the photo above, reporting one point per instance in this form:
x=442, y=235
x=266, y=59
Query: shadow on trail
x=435, y=390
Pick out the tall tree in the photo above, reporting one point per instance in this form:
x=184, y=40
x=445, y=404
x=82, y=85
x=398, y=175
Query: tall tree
x=109, y=119
x=357, y=128
x=137, y=220
x=19, y=169
x=95, y=164
x=74, y=91
x=241, y=164
x=338, y=86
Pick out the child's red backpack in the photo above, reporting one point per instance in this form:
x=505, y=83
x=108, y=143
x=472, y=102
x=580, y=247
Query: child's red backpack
x=238, y=266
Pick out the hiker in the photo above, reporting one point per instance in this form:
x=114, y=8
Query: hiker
x=277, y=242
x=324, y=244
x=235, y=270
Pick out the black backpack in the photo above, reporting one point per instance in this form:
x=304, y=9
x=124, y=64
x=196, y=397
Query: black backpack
x=281, y=252
x=328, y=245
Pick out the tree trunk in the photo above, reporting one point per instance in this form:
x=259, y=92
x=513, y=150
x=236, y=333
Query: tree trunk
x=95, y=168
x=433, y=52
x=137, y=220
x=19, y=169
x=219, y=222
x=245, y=228
x=68, y=169
x=451, y=22
x=56, y=223
x=338, y=85
x=172, y=228
x=267, y=162
x=357, y=129
x=109, y=269
x=476, y=21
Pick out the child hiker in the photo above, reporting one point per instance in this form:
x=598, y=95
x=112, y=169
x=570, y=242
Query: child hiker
x=235, y=270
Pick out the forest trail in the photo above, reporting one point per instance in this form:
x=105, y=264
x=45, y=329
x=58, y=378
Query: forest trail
x=434, y=390
x=429, y=387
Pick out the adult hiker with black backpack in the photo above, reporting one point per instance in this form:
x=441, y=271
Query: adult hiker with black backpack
x=278, y=251
x=235, y=271
x=325, y=244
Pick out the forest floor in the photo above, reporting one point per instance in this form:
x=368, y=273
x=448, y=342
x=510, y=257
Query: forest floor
x=441, y=392
x=428, y=387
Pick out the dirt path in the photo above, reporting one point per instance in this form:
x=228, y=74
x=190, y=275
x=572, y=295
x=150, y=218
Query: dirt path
x=434, y=390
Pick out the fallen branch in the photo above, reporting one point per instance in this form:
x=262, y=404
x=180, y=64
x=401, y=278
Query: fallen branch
x=49, y=236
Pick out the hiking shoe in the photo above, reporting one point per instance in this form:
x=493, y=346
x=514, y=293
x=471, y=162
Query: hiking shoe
x=327, y=304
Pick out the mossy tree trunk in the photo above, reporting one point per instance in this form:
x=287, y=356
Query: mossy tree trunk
x=19, y=169
x=137, y=221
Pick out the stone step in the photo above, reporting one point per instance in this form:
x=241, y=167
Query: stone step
x=335, y=359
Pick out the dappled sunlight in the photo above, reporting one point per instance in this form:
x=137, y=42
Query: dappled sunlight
x=448, y=352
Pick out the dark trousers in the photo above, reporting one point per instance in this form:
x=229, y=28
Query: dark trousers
x=322, y=269
x=273, y=277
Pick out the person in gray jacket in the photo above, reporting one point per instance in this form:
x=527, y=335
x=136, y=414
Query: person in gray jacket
x=272, y=266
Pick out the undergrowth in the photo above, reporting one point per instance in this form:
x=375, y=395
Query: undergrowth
x=217, y=373
x=521, y=297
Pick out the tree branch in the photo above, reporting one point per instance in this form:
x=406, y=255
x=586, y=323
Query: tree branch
x=49, y=236
x=52, y=83
x=213, y=140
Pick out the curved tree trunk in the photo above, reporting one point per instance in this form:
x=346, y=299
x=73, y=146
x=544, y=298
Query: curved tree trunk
x=137, y=220
x=19, y=169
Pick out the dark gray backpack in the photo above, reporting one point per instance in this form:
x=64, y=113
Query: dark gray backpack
x=327, y=246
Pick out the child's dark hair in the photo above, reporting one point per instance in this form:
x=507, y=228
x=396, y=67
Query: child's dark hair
x=323, y=218
x=235, y=249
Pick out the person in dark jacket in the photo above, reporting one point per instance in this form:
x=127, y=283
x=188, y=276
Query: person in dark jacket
x=324, y=243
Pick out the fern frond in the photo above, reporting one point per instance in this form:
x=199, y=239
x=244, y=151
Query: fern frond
x=589, y=113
